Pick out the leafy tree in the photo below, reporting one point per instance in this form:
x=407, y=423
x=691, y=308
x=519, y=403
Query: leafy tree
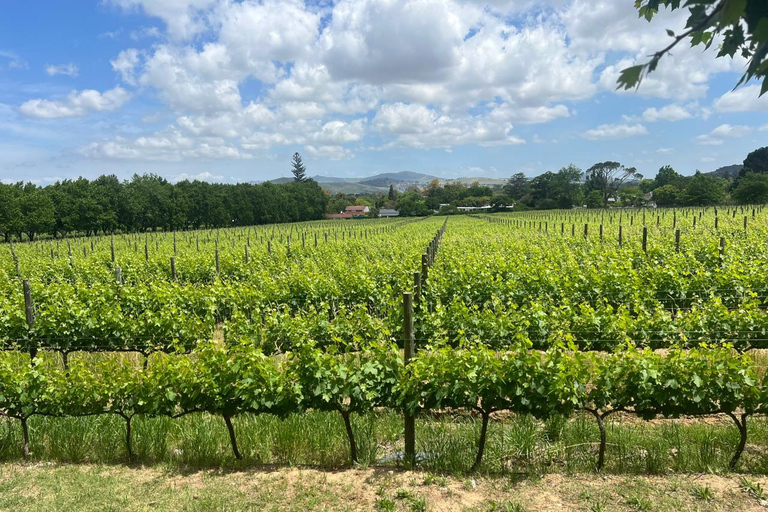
x=666, y=195
x=752, y=189
x=412, y=204
x=757, y=161
x=703, y=190
x=557, y=190
x=10, y=210
x=666, y=176
x=392, y=195
x=607, y=177
x=38, y=214
x=518, y=186
x=739, y=24
x=298, y=169
x=594, y=199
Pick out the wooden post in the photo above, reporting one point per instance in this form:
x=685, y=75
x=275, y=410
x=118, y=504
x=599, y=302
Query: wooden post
x=677, y=240
x=269, y=246
x=586, y=227
x=408, y=352
x=424, y=267
x=601, y=232
x=745, y=223
x=119, y=275
x=174, y=243
x=645, y=239
x=246, y=255
x=722, y=249
x=30, y=312
x=112, y=248
x=621, y=235
x=173, y=268
x=417, y=287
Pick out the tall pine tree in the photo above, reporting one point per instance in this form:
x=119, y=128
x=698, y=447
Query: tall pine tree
x=298, y=170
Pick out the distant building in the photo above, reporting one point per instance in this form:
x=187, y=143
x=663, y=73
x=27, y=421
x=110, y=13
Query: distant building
x=388, y=212
x=350, y=212
x=473, y=208
x=357, y=210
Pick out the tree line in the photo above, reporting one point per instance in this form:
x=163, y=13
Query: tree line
x=148, y=203
x=605, y=184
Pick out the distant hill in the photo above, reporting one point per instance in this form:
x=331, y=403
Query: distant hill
x=486, y=182
x=728, y=172
x=379, y=183
x=397, y=179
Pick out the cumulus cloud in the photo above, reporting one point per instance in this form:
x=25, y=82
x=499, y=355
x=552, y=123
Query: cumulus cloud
x=77, y=104
x=255, y=74
x=615, y=131
x=203, y=176
x=671, y=112
x=62, y=69
x=743, y=99
x=725, y=131
x=420, y=127
x=125, y=64
x=329, y=152
x=169, y=145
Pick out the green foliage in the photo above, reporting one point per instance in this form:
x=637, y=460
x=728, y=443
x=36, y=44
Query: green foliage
x=741, y=25
x=752, y=189
x=147, y=203
x=666, y=176
x=298, y=169
x=757, y=161
x=666, y=195
x=702, y=190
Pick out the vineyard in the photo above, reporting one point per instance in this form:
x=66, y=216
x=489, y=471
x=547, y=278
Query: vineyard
x=531, y=318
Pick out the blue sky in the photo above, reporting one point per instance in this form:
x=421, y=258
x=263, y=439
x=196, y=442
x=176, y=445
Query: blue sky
x=227, y=91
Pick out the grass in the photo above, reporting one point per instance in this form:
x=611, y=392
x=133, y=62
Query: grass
x=516, y=444
x=102, y=487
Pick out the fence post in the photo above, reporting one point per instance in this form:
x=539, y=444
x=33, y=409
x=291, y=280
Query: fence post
x=410, y=421
x=722, y=250
x=119, y=275
x=173, y=268
x=677, y=240
x=30, y=312
x=645, y=239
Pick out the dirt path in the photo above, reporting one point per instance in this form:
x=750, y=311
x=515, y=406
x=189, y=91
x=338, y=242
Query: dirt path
x=59, y=487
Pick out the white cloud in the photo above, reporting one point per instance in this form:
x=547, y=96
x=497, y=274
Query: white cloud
x=420, y=127
x=62, y=69
x=144, y=33
x=615, y=131
x=184, y=18
x=671, y=112
x=330, y=152
x=203, y=176
x=12, y=61
x=665, y=151
x=77, y=104
x=125, y=64
x=743, y=99
x=168, y=145
x=725, y=131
